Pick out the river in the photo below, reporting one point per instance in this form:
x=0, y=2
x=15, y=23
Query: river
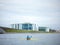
x=37, y=39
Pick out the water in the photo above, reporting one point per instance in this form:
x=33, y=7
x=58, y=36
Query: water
x=37, y=39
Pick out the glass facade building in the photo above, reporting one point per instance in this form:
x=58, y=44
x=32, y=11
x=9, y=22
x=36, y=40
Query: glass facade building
x=24, y=26
x=44, y=29
x=27, y=27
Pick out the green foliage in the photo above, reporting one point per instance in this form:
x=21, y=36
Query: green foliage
x=21, y=31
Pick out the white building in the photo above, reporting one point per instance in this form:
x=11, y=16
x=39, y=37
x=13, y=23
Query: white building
x=44, y=29
x=25, y=26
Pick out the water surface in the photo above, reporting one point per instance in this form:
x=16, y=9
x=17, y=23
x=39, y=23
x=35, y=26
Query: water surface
x=37, y=39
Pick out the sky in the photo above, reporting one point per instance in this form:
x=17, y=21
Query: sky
x=44, y=13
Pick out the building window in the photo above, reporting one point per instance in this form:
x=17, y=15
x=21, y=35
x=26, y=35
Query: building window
x=27, y=26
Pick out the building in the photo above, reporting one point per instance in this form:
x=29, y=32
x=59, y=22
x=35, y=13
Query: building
x=52, y=30
x=44, y=29
x=24, y=26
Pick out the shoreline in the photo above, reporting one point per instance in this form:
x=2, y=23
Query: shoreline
x=32, y=33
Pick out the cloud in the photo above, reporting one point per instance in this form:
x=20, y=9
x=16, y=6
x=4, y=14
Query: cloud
x=41, y=12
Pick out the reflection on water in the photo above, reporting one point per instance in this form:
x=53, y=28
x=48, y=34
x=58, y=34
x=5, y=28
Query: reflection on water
x=37, y=39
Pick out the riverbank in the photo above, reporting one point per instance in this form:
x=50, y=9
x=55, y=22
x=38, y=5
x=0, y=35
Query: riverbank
x=10, y=30
x=30, y=33
x=26, y=31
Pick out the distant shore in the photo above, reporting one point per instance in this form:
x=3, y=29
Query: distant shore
x=15, y=31
x=30, y=33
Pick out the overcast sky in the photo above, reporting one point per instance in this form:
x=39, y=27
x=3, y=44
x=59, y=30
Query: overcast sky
x=42, y=12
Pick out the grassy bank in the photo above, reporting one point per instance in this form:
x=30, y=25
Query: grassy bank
x=10, y=30
x=22, y=31
x=25, y=31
